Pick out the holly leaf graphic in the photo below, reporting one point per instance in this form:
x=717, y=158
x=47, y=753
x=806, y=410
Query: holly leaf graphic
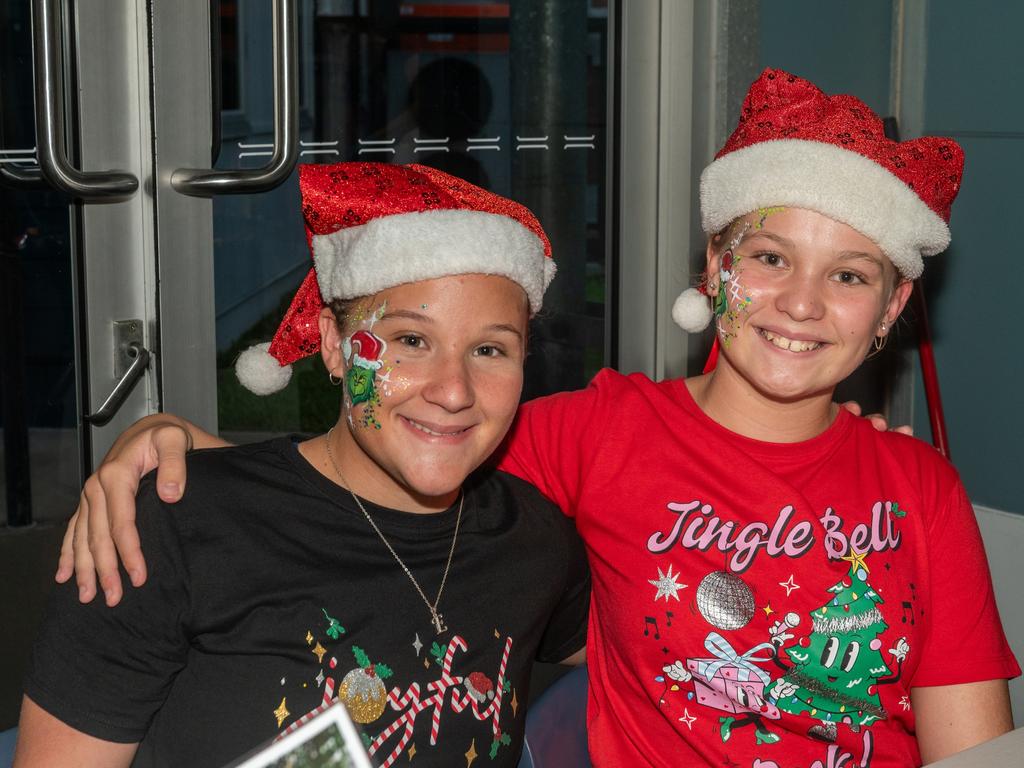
x=438, y=651
x=383, y=671
x=897, y=511
x=334, y=628
x=361, y=658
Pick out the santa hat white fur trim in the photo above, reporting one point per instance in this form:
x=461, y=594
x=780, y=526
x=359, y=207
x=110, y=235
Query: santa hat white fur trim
x=838, y=183
x=260, y=372
x=407, y=247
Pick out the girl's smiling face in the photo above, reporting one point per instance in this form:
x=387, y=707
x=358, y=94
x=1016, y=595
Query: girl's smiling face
x=815, y=293
x=433, y=373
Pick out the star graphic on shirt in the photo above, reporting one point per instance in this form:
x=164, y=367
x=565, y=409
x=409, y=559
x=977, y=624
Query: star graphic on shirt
x=667, y=585
x=281, y=713
x=319, y=651
x=319, y=678
x=789, y=585
x=471, y=754
x=768, y=610
x=515, y=704
x=417, y=644
x=309, y=637
x=856, y=558
x=905, y=703
x=412, y=752
x=688, y=719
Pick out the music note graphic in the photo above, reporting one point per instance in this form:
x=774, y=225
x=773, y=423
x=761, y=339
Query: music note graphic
x=648, y=620
x=908, y=610
x=669, y=615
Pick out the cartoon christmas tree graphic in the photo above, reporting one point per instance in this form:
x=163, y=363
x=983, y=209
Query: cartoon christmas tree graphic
x=836, y=668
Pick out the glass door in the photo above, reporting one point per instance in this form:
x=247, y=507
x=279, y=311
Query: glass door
x=76, y=279
x=512, y=96
x=41, y=473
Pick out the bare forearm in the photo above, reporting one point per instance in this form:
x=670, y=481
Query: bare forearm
x=46, y=742
x=952, y=718
x=198, y=437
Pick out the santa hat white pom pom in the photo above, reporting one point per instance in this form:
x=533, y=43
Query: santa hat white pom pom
x=260, y=372
x=692, y=311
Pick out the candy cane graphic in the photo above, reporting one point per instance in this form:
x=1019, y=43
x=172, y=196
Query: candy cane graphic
x=441, y=686
x=493, y=710
x=408, y=719
x=413, y=705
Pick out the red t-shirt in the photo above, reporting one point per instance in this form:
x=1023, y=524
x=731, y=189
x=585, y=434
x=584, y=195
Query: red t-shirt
x=760, y=604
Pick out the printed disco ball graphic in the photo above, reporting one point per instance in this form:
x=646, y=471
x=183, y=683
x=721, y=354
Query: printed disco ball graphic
x=725, y=601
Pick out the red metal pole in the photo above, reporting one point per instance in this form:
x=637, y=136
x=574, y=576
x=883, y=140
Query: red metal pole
x=929, y=372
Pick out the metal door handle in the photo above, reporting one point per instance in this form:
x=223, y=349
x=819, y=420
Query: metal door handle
x=123, y=388
x=49, y=86
x=203, y=182
x=130, y=362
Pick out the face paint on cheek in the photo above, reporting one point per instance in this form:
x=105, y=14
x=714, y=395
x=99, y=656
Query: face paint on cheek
x=363, y=351
x=731, y=301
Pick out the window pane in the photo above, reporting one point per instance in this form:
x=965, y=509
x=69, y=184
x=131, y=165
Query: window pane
x=510, y=96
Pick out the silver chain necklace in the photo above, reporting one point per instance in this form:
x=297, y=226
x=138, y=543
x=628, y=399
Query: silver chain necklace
x=436, y=616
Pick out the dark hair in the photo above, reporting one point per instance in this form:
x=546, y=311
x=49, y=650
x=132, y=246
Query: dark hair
x=342, y=309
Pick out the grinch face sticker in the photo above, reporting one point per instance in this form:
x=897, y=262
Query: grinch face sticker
x=359, y=383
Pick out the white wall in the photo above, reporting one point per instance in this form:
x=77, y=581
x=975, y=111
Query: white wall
x=1003, y=533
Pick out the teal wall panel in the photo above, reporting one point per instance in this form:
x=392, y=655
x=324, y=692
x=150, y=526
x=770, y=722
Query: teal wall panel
x=974, y=67
x=973, y=93
x=843, y=47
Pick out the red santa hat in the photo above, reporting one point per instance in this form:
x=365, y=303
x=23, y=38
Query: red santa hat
x=797, y=146
x=372, y=226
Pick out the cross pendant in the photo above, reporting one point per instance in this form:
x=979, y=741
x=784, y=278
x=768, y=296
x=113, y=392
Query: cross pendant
x=439, y=624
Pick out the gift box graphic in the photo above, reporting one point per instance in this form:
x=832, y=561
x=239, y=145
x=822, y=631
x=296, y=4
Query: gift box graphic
x=732, y=682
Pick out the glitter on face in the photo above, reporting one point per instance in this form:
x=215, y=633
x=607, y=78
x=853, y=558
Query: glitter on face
x=732, y=301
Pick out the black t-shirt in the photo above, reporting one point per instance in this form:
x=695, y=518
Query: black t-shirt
x=268, y=591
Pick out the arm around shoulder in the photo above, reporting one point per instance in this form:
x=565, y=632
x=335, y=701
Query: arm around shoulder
x=103, y=526
x=46, y=742
x=197, y=437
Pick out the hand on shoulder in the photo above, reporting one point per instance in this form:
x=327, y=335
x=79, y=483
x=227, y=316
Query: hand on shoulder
x=103, y=527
